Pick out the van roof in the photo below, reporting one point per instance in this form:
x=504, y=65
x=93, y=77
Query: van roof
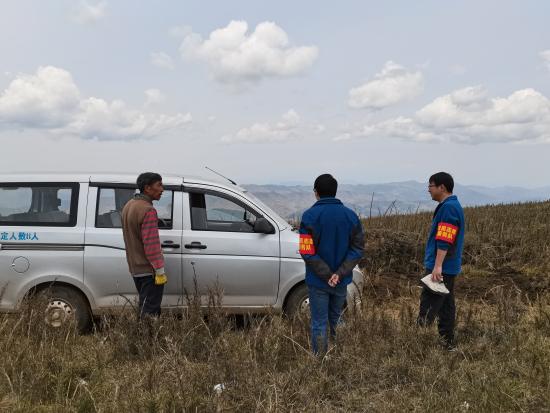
x=130, y=178
x=117, y=177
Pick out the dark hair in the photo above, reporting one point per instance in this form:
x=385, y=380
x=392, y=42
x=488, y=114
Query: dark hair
x=326, y=186
x=445, y=179
x=147, y=178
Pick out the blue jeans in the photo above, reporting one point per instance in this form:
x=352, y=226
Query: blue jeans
x=326, y=305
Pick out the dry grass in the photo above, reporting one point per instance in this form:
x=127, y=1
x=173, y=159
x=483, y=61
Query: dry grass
x=504, y=244
x=382, y=361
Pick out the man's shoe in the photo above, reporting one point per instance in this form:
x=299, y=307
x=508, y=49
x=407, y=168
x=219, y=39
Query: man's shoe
x=451, y=348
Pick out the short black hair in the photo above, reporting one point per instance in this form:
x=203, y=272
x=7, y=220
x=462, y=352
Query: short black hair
x=147, y=178
x=445, y=179
x=326, y=186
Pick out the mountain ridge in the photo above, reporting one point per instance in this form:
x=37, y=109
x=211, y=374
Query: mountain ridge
x=377, y=199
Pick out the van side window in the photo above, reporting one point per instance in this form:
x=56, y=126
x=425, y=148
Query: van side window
x=38, y=204
x=213, y=212
x=111, y=201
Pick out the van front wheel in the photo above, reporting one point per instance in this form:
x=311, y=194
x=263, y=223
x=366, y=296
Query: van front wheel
x=298, y=302
x=65, y=305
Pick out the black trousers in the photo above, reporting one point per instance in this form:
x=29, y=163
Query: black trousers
x=150, y=296
x=434, y=306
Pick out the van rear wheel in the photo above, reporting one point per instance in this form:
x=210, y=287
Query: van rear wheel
x=65, y=305
x=298, y=302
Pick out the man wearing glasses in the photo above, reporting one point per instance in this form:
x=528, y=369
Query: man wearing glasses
x=443, y=257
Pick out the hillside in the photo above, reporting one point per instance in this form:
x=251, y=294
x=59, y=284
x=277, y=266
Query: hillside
x=504, y=244
x=381, y=362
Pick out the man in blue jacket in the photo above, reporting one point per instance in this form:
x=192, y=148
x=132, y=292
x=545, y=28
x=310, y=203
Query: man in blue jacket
x=443, y=257
x=331, y=244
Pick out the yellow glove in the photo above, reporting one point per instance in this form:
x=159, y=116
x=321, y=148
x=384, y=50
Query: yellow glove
x=160, y=277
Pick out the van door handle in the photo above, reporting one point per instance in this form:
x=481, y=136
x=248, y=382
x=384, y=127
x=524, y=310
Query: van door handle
x=170, y=244
x=195, y=245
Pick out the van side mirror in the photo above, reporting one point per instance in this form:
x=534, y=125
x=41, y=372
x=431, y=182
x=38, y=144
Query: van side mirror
x=263, y=226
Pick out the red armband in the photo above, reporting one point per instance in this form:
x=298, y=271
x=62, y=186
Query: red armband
x=306, y=244
x=446, y=232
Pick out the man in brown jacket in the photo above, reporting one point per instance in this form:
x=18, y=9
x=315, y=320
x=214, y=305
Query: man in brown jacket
x=143, y=249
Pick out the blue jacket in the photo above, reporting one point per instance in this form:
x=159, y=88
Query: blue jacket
x=447, y=233
x=331, y=242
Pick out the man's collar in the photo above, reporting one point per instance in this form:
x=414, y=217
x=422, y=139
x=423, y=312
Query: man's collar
x=328, y=200
x=450, y=197
x=144, y=197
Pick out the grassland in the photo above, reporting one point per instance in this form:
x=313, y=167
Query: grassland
x=381, y=361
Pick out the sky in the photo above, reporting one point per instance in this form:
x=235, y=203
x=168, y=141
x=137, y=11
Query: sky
x=278, y=92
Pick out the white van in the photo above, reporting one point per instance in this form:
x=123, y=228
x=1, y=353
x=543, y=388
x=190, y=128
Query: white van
x=63, y=233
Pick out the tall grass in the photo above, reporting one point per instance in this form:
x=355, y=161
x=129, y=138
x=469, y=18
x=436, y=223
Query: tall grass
x=380, y=362
x=500, y=239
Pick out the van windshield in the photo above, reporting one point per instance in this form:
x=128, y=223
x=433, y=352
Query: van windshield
x=267, y=209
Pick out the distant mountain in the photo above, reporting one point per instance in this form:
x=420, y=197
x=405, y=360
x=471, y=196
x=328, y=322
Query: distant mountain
x=376, y=199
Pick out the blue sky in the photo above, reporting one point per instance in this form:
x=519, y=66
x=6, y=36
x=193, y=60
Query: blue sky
x=278, y=92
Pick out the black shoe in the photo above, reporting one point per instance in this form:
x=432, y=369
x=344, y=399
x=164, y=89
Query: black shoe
x=449, y=345
x=451, y=348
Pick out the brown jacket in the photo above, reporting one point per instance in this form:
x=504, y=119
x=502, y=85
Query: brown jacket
x=141, y=236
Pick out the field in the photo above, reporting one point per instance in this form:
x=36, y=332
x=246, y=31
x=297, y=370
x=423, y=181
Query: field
x=381, y=361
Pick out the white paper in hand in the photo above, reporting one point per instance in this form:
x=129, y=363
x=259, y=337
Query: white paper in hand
x=433, y=286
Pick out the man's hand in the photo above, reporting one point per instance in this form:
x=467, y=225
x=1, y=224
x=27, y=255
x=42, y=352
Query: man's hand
x=334, y=280
x=437, y=275
x=161, y=279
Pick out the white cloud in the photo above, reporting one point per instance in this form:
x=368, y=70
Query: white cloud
x=545, y=56
x=102, y=120
x=392, y=85
x=154, y=97
x=162, y=60
x=235, y=55
x=283, y=130
x=458, y=69
x=90, y=13
x=180, y=31
x=470, y=116
x=346, y=136
x=50, y=100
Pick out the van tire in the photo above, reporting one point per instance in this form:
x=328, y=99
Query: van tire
x=297, y=301
x=63, y=302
